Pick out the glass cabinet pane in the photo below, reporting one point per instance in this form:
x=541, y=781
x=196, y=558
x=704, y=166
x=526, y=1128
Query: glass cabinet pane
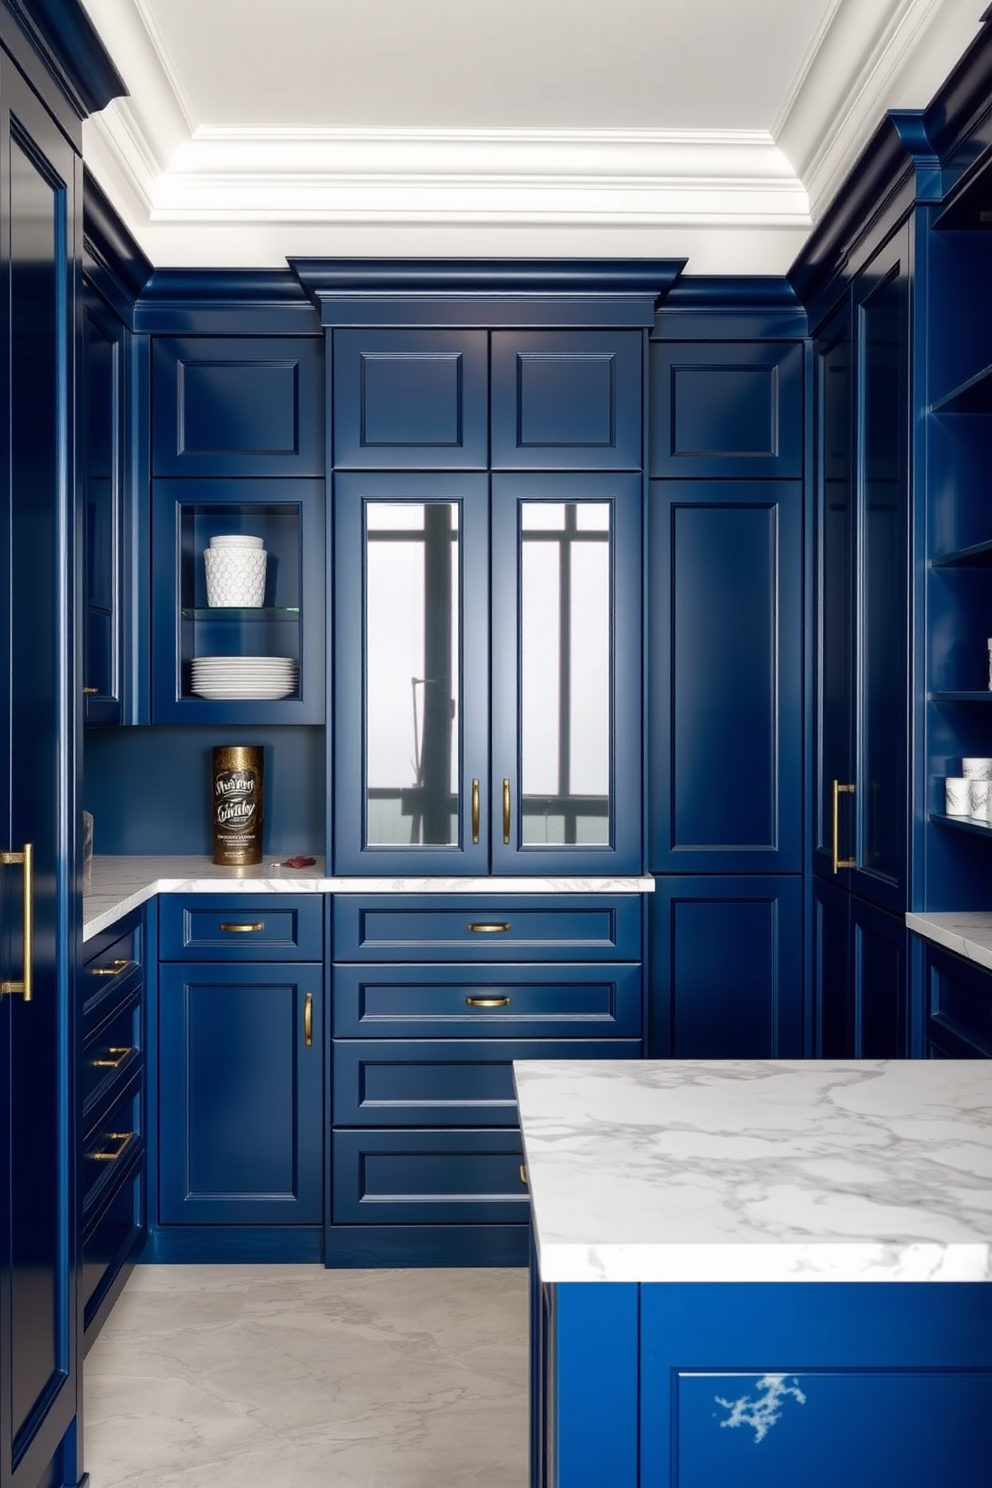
x=565, y=683
x=412, y=673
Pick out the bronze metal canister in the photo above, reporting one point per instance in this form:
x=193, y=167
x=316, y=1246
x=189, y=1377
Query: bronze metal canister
x=237, y=803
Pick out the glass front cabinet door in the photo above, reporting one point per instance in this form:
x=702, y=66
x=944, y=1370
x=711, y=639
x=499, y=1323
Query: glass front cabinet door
x=488, y=673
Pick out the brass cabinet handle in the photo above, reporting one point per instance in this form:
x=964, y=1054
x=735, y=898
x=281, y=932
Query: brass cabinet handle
x=113, y=1063
x=475, y=811
x=487, y=1001
x=523, y=1174
x=26, y=858
x=114, y=971
x=840, y=862
x=91, y=692
x=479, y=929
x=122, y=1138
x=308, y=1020
x=244, y=929
x=506, y=809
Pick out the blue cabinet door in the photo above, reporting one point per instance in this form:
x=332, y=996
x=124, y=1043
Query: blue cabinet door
x=40, y=187
x=411, y=399
x=567, y=400
x=450, y=1176
x=238, y=405
x=103, y=392
x=726, y=968
x=240, y=1094
x=861, y=992
x=726, y=410
x=957, y=1005
x=726, y=680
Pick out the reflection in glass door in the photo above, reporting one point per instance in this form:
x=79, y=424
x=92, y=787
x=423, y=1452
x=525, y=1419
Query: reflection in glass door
x=412, y=672
x=565, y=683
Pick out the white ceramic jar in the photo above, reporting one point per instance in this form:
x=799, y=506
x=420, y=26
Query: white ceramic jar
x=235, y=569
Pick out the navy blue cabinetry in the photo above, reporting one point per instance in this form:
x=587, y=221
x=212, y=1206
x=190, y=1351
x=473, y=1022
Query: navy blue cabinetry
x=726, y=410
x=725, y=781
x=104, y=393
x=957, y=1005
x=289, y=517
x=409, y=399
x=433, y=1000
x=726, y=968
x=487, y=729
x=567, y=400
x=238, y=405
x=112, y=1079
x=240, y=1078
x=861, y=1006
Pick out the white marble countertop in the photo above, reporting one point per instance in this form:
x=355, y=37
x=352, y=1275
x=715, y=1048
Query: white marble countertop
x=967, y=932
x=774, y=1170
x=120, y=884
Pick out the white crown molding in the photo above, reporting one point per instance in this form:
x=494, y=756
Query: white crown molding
x=859, y=71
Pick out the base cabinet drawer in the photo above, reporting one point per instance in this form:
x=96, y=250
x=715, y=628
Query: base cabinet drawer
x=429, y=1177
x=472, y=1001
x=241, y=927
x=112, y=1142
x=111, y=1237
x=445, y=1082
x=412, y=927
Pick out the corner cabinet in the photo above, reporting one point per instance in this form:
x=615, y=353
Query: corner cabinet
x=488, y=726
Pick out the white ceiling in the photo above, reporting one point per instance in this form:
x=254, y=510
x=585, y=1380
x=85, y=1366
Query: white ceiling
x=715, y=130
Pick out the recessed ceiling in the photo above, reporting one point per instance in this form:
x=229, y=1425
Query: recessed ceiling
x=715, y=130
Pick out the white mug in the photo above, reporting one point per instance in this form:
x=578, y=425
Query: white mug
x=975, y=768
x=978, y=797
x=957, y=796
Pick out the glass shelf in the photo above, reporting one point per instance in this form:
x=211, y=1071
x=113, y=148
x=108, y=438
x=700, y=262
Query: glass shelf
x=242, y=612
x=985, y=696
x=960, y=823
x=972, y=396
x=978, y=555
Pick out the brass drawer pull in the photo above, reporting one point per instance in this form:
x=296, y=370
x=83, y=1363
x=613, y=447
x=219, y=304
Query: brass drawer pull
x=506, y=810
x=91, y=692
x=113, y=1063
x=523, y=1174
x=475, y=812
x=26, y=859
x=115, y=970
x=487, y=1001
x=478, y=929
x=245, y=929
x=840, y=862
x=122, y=1138
x=308, y=1020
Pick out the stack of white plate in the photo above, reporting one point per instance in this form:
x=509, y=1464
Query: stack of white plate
x=229, y=677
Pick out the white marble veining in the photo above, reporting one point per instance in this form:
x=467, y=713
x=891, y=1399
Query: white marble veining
x=120, y=884
x=969, y=933
x=774, y=1170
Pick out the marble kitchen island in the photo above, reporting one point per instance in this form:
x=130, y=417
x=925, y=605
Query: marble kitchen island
x=759, y=1274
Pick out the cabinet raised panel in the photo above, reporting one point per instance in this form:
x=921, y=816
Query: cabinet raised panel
x=238, y=405
x=726, y=968
x=726, y=693
x=408, y=399
x=566, y=400
x=726, y=409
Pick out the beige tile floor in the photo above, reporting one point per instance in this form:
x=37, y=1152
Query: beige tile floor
x=294, y=1377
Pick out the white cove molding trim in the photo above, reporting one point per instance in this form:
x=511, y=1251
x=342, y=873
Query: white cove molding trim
x=732, y=201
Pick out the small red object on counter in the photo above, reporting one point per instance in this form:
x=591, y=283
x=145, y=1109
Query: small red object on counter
x=298, y=862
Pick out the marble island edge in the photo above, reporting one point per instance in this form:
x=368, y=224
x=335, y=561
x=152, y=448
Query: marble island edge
x=118, y=885
x=759, y=1171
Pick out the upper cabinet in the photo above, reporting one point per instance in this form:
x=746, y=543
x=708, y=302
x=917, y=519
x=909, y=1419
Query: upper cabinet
x=237, y=405
x=864, y=619
x=728, y=410
x=411, y=399
x=487, y=726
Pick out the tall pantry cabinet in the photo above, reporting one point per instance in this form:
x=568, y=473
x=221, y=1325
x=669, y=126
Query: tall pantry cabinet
x=49, y=80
